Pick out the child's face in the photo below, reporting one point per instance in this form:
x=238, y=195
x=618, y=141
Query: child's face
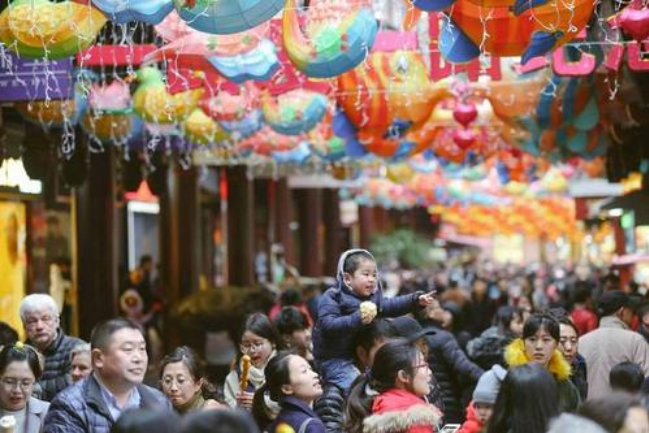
x=483, y=412
x=363, y=280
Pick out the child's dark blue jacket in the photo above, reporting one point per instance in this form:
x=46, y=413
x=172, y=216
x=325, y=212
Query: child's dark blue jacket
x=339, y=316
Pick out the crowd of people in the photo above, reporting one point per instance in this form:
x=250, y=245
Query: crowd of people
x=456, y=350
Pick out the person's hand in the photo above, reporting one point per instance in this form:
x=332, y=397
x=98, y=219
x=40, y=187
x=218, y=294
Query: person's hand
x=244, y=400
x=368, y=312
x=427, y=299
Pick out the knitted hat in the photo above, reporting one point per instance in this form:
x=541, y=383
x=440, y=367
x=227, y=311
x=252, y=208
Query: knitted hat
x=488, y=386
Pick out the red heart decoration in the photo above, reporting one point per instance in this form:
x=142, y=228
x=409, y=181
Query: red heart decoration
x=464, y=138
x=464, y=114
x=635, y=23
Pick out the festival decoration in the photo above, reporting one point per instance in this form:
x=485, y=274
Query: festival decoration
x=258, y=64
x=42, y=28
x=635, y=22
x=109, y=118
x=295, y=112
x=226, y=17
x=199, y=128
x=153, y=103
x=521, y=28
x=336, y=37
x=124, y=11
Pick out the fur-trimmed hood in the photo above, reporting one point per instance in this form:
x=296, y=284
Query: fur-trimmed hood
x=397, y=411
x=558, y=366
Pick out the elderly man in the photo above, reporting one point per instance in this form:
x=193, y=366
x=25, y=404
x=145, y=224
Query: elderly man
x=40, y=317
x=612, y=343
x=119, y=362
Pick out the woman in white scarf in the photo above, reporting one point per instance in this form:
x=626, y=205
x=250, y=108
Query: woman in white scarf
x=259, y=342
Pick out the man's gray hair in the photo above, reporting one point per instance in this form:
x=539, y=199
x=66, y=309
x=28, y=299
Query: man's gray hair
x=573, y=423
x=37, y=301
x=79, y=349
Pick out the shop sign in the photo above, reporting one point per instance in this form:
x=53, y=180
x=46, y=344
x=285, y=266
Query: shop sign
x=13, y=175
x=23, y=79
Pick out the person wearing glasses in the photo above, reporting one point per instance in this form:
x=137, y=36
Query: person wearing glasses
x=260, y=341
x=20, y=367
x=184, y=383
x=40, y=316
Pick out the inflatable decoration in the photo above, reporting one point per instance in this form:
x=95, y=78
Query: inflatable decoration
x=198, y=128
x=294, y=112
x=153, y=103
x=258, y=64
x=124, y=11
x=42, y=28
x=513, y=28
x=224, y=17
x=109, y=118
x=337, y=36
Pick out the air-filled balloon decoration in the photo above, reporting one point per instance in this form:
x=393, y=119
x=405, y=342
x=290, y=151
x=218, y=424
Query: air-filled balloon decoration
x=224, y=17
x=124, y=11
x=337, y=36
x=42, y=28
x=295, y=112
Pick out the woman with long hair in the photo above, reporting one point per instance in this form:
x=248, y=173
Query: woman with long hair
x=527, y=401
x=540, y=344
x=291, y=383
x=390, y=398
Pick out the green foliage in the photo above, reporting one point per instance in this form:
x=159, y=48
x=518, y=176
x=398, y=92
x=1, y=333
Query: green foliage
x=409, y=249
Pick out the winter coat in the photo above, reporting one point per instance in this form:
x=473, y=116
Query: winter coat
x=569, y=399
x=55, y=375
x=452, y=369
x=471, y=425
x=339, y=318
x=81, y=408
x=488, y=349
x=398, y=411
x=330, y=408
x=613, y=342
x=294, y=414
x=579, y=376
x=584, y=319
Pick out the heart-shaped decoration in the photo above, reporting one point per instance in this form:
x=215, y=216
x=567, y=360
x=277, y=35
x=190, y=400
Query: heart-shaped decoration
x=635, y=23
x=464, y=114
x=464, y=138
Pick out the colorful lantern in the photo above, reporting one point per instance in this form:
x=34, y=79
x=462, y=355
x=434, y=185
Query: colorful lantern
x=294, y=112
x=42, y=28
x=124, y=11
x=221, y=17
x=331, y=45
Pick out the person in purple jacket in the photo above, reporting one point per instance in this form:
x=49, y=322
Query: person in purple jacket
x=354, y=302
x=292, y=383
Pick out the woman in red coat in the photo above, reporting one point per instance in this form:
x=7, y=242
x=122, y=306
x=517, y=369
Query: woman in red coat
x=390, y=398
